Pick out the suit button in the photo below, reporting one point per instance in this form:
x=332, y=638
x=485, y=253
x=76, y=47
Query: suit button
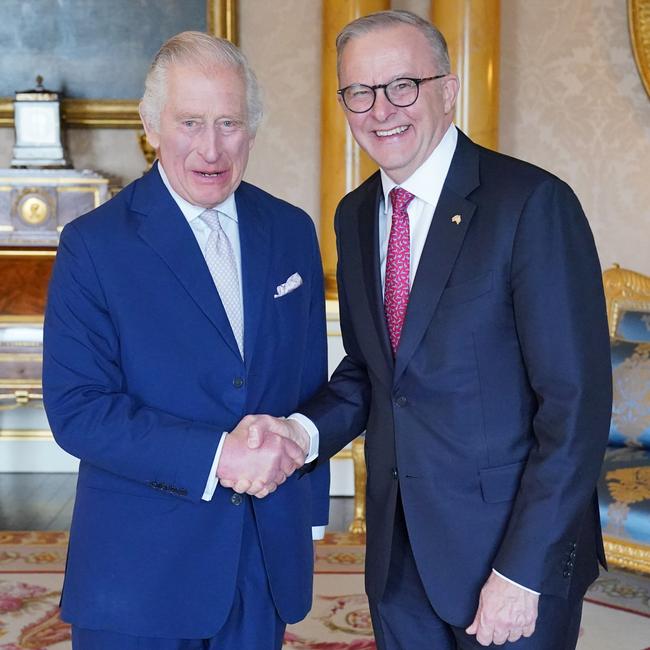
x=401, y=401
x=394, y=473
x=236, y=499
x=572, y=555
x=237, y=382
x=567, y=574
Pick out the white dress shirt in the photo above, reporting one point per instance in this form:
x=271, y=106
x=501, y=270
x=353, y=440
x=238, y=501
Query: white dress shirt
x=201, y=230
x=426, y=186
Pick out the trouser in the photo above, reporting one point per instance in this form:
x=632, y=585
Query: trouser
x=405, y=620
x=252, y=624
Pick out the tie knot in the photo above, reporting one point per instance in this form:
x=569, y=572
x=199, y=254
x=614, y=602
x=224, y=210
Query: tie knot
x=211, y=217
x=400, y=199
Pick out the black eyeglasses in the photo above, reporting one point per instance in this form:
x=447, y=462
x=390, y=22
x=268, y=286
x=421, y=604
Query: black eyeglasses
x=404, y=92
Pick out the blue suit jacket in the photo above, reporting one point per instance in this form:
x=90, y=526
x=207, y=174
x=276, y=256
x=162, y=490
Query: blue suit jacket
x=494, y=416
x=142, y=375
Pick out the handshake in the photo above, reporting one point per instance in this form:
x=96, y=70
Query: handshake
x=260, y=453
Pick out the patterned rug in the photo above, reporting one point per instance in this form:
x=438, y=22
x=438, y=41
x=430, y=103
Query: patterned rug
x=616, y=615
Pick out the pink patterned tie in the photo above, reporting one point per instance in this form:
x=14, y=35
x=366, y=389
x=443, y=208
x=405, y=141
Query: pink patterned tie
x=396, y=287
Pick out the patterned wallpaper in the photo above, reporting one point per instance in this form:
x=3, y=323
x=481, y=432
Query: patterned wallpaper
x=283, y=43
x=572, y=102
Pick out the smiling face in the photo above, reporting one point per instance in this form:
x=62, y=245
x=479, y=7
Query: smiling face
x=399, y=140
x=203, y=140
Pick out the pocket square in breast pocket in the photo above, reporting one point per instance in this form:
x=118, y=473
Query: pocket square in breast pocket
x=292, y=283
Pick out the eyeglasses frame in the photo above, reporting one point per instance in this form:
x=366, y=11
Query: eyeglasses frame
x=375, y=88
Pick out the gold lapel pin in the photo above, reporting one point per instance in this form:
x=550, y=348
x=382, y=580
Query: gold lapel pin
x=456, y=219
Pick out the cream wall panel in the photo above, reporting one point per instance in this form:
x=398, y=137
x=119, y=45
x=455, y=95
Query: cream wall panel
x=419, y=7
x=283, y=43
x=112, y=151
x=115, y=152
x=572, y=102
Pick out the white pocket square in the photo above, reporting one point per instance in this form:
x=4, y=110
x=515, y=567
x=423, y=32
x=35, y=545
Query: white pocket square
x=292, y=283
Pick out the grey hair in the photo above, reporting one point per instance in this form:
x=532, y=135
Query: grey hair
x=385, y=19
x=207, y=52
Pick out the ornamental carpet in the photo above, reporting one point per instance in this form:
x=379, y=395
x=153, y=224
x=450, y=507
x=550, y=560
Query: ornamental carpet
x=616, y=615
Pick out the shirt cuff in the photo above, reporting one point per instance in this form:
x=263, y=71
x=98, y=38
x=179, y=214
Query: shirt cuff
x=317, y=532
x=312, y=432
x=512, y=582
x=213, y=481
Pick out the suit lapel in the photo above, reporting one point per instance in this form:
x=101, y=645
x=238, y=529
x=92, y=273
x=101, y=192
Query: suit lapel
x=441, y=249
x=256, y=247
x=164, y=228
x=369, y=248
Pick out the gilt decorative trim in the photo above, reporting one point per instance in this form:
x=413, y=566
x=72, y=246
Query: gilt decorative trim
x=627, y=555
x=624, y=290
x=639, y=19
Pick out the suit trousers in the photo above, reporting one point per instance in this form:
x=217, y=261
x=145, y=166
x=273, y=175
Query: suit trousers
x=252, y=624
x=404, y=618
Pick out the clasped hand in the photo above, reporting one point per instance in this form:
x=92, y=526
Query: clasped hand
x=261, y=453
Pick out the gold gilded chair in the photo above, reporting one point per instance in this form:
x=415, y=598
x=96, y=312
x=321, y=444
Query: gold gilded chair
x=624, y=485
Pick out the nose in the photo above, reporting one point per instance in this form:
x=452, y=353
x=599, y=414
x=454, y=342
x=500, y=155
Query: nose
x=209, y=145
x=382, y=109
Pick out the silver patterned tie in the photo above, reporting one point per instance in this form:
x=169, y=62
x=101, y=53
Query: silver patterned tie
x=220, y=259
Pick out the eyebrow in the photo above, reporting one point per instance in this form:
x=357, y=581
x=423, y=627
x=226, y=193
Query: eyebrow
x=405, y=75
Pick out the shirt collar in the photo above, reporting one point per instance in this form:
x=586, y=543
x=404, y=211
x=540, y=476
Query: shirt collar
x=191, y=211
x=435, y=166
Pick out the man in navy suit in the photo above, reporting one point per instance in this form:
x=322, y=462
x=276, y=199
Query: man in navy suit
x=187, y=301
x=477, y=361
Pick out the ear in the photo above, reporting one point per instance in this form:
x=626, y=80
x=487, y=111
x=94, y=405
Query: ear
x=152, y=135
x=251, y=142
x=450, y=87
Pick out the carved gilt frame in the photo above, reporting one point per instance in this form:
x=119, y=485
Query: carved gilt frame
x=625, y=290
x=221, y=20
x=639, y=21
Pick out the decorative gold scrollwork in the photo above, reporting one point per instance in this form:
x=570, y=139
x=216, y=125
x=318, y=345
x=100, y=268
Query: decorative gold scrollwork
x=623, y=288
x=629, y=484
x=33, y=210
x=33, y=206
x=639, y=18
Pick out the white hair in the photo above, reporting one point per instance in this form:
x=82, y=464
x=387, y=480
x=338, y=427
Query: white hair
x=206, y=52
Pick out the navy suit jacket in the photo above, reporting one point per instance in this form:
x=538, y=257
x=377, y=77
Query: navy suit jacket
x=494, y=416
x=142, y=375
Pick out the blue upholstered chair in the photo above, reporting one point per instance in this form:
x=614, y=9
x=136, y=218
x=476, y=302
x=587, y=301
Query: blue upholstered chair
x=624, y=485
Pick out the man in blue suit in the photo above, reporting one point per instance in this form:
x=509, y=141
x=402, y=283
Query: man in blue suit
x=477, y=361
x=187, y=301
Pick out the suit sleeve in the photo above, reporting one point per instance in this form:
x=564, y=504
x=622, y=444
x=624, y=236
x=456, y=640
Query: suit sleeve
x=86, y=397
x=314, y=376
x=562, y=328
x=340, y=409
